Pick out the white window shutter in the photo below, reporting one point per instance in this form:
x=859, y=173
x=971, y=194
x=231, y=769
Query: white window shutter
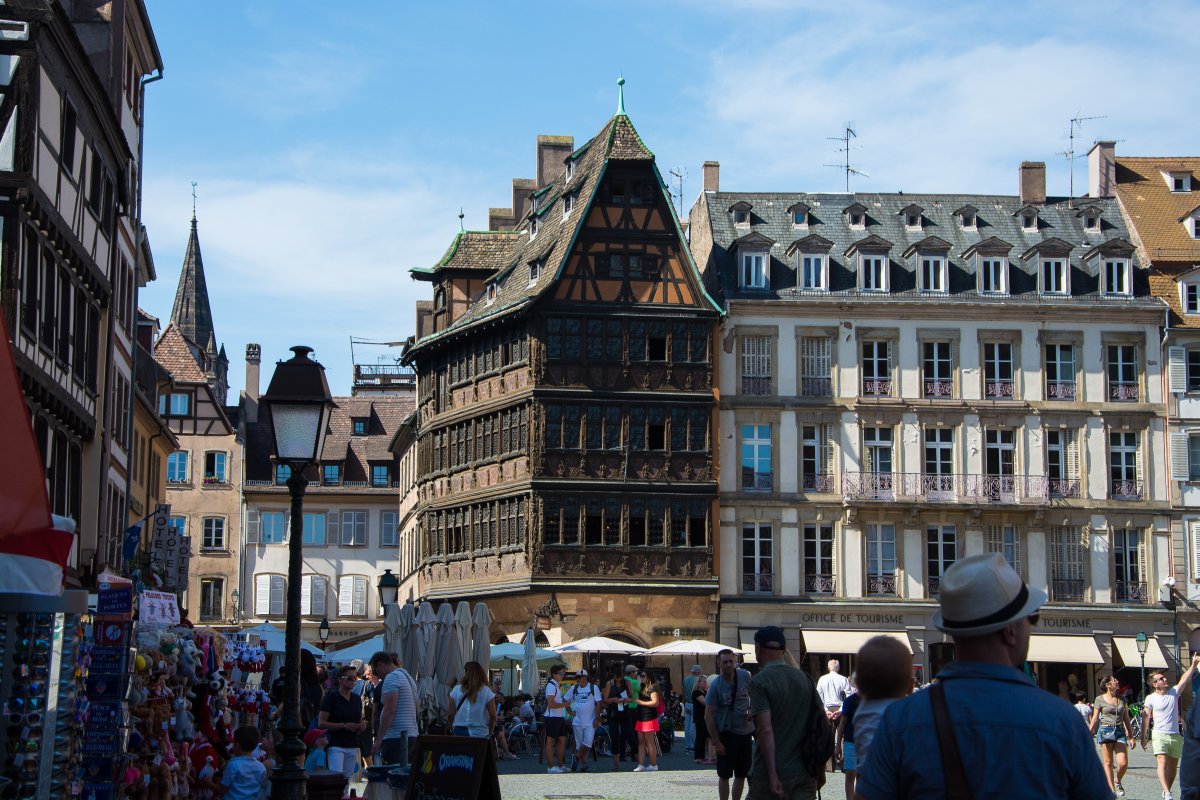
x=347, y=528
x=360, y=596
x=1195, y=531
x=306, y=595
x=825, y=432
x=262, y=595
x=1070, y=447
x=1177, y=369
x=252, y=526
x=278, y=593
x=346, y=596
x=1180, y=469
x=318, y=592
x=1017, y=551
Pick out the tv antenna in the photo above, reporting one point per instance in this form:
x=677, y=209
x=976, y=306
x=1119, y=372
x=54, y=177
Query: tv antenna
x=847, y=134
x=680, y=174
x=1076, y=123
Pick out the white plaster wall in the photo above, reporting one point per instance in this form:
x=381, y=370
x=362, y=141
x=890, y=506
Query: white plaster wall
x=1099, y=557
x=786, y=364
x=789, y=453
x=973, y=542
x=731, y=564
x=1037, y=569
x=914, y=563
x=730, y=455
x=852, y=555
x=788, y=561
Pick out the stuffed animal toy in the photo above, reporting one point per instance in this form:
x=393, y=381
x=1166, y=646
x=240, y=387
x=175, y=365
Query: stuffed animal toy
x=187, y=659
x=204, y=778
x=185, y=723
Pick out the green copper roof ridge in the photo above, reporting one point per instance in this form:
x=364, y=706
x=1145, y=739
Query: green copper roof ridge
x=453, y=251
x=621, y=96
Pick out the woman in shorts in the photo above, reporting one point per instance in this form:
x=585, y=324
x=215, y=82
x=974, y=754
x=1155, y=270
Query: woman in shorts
x=647, y=723
x=1110, y=722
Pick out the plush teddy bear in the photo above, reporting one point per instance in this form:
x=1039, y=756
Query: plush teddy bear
x=187, y=659
x=185, y=723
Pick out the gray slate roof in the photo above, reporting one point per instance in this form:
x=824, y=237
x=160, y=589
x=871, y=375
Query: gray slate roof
x=997, y=218
x=192, y=312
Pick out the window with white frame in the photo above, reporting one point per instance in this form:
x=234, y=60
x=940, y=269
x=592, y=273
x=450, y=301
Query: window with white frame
x=754, y=273
x=816, y=366
x=999, y=464
x=1005, y=540
x=998, y=371
x=313, y=589
x=1118, y=277
x=354, y=528
x=1193, y=441
x=741, y=216
x=1067, y=554
x=533, y=227
x=314, y=529
x=213, y=537
x=912, y=220
x=269, y=594
x=535, y=270
x=273, y=527
x=1195, y=223
x=816, y=458
x=877, y=461
x=813, y=272
x=941, y=551
x=993, y=275
x=389, y=529
x=818, y=559
x=756, y=457
x=872, y=272
x=877, y=368
x=1122, y=372
x=177, y=467
x=881, y=559
x=212, y=595
x=568, y=204
x=1060, y=371
x=1190, y=297
x=1193, y=370
x=1179, y=181
x=934, y=276
x=1129, y=565
x=757, y=366
x=939, y=463
x=178, y=524
x=1029, y=221
x=1062, y=462
x=352, y=596
x=937, y=376
x=1123, y=465
x=1054, y=276
x=857, y=219
x=214, y=467
x=757, y=558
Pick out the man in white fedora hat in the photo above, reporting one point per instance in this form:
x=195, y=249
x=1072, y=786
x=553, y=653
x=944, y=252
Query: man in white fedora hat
x=976, y=730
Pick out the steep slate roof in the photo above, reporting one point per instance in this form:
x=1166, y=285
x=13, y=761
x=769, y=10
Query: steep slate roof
x=618, y=140
x=384, y=415
x=485, y=251
x=1154, y=210
x=172, y=351
x=995, y=219
x=192, y=312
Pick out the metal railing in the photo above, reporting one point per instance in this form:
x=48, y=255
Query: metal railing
x=1064, y=487
x=939, y=388
x=1060, y=390
x=869, y=485
x=999, y=390
x=759, y=583
x=820, y=484
x=881, y=584
x=1123, y=391
x=818, y=584
x=1126, y=490
x=1066, y=589
x=758, y=481
x=935, y=586
x=949, y=488
x=756, y=385
x=1131, y=592
x=877, y=387
x=816, y=387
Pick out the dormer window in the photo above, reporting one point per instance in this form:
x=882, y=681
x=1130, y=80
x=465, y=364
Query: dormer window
x=993, y=274
x=799, y=215
x=1178, y=181
x=358, y=425
x=1196, y=227
x=569, y=172
x=1091, y=222
x=491, y=293
x=856, y=216
x=741, y=214
x=755, y=272
x=535, y=270
x=814, y=272
x=1118, y=277
x=568, y=204
x=912, y=217
x=439, y=300
x=873, y=273
x=1190, y=297
x=967, y=221
x=1029, y=221
x=533, y=227
x=934, y=277
x=1054, y=275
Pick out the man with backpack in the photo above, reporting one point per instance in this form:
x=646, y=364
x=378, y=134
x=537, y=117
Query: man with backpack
x=584, y=699
x=782, y=701
x=727, y=715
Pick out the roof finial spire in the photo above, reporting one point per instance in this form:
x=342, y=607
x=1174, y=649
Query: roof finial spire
x=621, y=96
x=460, y=219
x=194, y=184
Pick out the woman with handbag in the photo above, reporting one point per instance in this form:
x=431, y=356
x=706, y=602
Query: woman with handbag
x=1113, y=729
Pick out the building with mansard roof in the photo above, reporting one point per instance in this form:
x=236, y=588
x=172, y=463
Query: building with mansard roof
x=565, y=410
x=906, y=380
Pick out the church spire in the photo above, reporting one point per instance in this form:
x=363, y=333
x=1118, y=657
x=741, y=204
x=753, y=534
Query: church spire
x=191, y=312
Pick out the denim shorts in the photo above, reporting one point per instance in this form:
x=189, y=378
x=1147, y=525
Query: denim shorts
x=849, y=762
x=1107, y=732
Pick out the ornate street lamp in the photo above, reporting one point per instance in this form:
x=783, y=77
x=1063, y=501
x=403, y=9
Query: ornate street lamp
x=298, y=405
x=323, y=632
x=389, y=589
x=1142, y=644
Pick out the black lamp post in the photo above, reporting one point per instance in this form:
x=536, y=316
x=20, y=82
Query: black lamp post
x=1142, y=644
x=323, y=632
x=298, y=405
x=389, y=590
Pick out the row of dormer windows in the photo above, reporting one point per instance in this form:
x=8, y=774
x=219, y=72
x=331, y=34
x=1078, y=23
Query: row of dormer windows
x=913, y=216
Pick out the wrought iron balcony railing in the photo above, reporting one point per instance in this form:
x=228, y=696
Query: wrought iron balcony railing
x=877, y=387
x=758, y=583
x=1126, y=490
x=820, y=484
x=948, y=488
x=935, y=586
x=1060, y=390
x=1131, y=592
x=1123, y=391
x=818, y=584
x=881, y=584
x=999, y=390
x=1064, y=590
x=758, y=481
x=816, y=387
x=939, y=388
x=756, y=385
x=869, y=485
x=1064, y=487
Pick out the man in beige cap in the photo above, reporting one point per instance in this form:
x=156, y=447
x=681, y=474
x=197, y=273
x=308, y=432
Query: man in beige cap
x=972, y=731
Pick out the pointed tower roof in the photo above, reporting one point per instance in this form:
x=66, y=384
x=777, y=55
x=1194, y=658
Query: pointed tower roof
x=192, y=312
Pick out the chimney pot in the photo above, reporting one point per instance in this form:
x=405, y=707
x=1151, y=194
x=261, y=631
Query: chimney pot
x=1033, y=181
x=712, y=176
x=253, y=359
x=552, y=152
x=1102, y=169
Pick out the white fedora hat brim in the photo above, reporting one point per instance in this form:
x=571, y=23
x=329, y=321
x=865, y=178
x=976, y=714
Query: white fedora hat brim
x=1037, y=598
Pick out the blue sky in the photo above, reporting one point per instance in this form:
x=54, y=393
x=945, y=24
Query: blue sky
x=334, y=143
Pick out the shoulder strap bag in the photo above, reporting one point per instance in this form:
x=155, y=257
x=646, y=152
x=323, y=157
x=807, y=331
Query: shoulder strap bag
x=957, y=787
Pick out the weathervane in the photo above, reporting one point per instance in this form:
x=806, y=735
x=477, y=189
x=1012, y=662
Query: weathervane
x=621, y=96
x=194, y=185
x=460, y=219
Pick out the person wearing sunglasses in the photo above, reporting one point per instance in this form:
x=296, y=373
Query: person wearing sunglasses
x=342, y=715
x=1162, y=709
x=977, y=709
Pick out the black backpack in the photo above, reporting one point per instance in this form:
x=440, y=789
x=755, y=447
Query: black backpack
x=816, y=745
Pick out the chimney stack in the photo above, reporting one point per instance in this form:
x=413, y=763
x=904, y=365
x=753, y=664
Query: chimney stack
x=712, y=176
x=552, y=152
x=253, y=358
x=1102, y=169
x=1033, y=181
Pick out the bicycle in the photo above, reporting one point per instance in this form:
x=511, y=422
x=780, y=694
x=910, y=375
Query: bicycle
x=1136, y=721
x=521, y=737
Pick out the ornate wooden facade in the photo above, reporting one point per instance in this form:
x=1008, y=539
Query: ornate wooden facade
x=567, y=414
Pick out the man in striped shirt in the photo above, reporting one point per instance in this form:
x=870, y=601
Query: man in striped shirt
x=398, y=720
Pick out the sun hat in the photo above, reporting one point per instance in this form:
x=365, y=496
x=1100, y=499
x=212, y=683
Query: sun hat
x=695, y=669
x=982, y=594
x=311, y=736
x=630, y=668
x=581, y=673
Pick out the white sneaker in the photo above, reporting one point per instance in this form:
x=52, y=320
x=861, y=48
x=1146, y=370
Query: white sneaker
x=554, y=771
x=652, y=768
x=1120, y=790
x=640, y=768
x=1166, y=795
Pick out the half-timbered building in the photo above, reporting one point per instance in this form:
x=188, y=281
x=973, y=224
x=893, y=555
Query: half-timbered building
x=566, y=404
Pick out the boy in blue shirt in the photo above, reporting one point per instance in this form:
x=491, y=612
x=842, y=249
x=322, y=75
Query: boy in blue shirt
x=244, y=777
